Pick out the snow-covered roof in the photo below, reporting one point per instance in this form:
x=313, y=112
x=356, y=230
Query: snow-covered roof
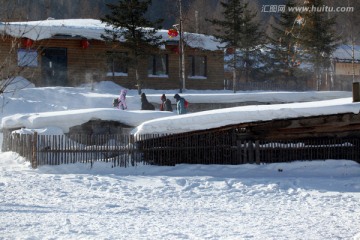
x=65, y=107
x=90, y=29
x=244, y=114
x=344, y=53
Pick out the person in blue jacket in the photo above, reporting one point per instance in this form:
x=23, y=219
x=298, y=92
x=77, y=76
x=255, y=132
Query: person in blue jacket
x=180, y=104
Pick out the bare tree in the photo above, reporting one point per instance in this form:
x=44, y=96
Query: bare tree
x=16, y=57
x=196, y=15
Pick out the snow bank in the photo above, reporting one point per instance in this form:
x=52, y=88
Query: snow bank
x=66, y=119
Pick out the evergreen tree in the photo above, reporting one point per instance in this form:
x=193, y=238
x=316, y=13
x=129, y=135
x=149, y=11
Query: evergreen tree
x=318, y=38
x=284, y=46
x=352, y=36
x=135, y=32
x=239, y=32
x=196, y=15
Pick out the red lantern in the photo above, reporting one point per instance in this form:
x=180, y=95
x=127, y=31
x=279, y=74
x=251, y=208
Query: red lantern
x=172, y=33
x=26, y=42
x=85, y=44
x=230, y=51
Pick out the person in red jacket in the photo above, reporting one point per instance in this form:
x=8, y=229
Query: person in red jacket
x=165, y=104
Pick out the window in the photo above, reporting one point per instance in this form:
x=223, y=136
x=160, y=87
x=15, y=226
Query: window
x=158, y=65
x=197, y=67
x=116, y=64
x=27, y=58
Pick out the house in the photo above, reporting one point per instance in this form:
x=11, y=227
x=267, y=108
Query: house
x=71, y=51
x=346, y=65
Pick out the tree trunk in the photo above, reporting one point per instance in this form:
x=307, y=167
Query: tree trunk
x=234, y=70
x=138, y=82
x=234, y=80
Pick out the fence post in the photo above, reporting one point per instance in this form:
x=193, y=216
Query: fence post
x=34, y=151
x=239, y=158
x=251, y=151
x=257, y=152
x=356, y=91
x=6, y=141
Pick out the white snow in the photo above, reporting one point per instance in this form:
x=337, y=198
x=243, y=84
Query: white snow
x=306, y=200
x=64, y=107
x=90, y=29
x=229, y=116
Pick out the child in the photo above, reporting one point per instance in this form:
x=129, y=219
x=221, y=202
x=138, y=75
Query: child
x=180, y=104
x=122, y=99
x=165, y=104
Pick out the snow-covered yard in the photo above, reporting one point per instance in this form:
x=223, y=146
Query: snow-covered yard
x=306, y=200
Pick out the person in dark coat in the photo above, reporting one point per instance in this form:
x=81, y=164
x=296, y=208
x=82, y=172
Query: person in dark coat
x=145, y=105
x=180, y=104
x=165, y=104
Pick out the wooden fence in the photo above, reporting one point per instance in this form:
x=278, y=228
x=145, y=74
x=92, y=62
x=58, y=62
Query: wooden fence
x=123, y=150
x=60, y=149
x=227, y=148
x=267, y=86
x=271, y=86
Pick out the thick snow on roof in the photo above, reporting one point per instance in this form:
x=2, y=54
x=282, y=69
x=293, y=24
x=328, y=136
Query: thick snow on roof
x=38, y=30
x=229, y=116
x=90, y=29
x=64, y=107
x=66, y=119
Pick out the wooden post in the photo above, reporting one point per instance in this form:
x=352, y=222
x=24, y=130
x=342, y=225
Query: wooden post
x=250, y=148
x=239, y=152
x=245, y=147
x=356, y=91
x=257, y=152
x=34, y=151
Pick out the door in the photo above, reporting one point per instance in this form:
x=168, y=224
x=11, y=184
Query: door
x=54, y=67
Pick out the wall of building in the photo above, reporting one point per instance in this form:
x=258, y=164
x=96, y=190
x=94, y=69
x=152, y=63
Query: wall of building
x=8, y=60
x=342, y=68
x=89, y=64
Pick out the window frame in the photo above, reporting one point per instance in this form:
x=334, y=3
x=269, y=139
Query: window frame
x=193, y=67
x=111, y=64
x=27, y=58
x=155, y=72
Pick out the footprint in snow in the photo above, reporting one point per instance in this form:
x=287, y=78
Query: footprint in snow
x=181, y=182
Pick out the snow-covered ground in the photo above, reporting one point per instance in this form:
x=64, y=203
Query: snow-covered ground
x=306, y=200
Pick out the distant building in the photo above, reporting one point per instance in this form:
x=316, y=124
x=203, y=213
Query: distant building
x=346, y=66
x=71, y=51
